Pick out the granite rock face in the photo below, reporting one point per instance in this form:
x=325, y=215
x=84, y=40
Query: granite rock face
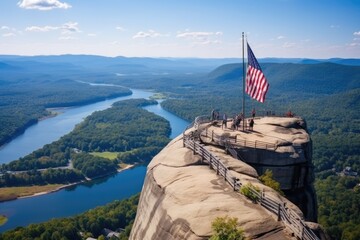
x=282, y=145
x=181, y=197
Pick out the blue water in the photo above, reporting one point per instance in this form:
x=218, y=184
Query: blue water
x=52, y=129
x=177, y=124
x=76, y=199
x=73, y=200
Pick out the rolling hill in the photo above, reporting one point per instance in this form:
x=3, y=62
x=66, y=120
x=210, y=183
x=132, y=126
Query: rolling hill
x=320, y=78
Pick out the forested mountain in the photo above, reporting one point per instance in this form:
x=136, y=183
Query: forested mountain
x=320, y=78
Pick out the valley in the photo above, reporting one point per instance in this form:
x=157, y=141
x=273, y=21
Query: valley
x=326, y=94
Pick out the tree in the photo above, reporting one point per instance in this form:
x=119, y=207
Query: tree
x=249, y=191
x=225, y=228
x=268, y=180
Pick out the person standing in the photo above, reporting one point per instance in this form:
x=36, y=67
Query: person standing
x=224, y=122
x=253, y=112
x=251, y=124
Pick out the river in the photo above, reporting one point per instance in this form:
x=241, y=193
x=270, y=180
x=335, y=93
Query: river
x=76, y=199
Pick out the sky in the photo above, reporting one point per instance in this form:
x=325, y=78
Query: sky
x=181, y=28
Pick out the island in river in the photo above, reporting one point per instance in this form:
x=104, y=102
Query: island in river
x=124, y=128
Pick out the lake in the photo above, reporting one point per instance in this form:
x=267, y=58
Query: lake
x=76, y=199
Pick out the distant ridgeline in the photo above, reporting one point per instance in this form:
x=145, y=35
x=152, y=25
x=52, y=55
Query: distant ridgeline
x=124, y=129
x=321, y=78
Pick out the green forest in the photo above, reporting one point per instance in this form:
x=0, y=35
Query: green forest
x=125, y=128
x=116, y=216
x=334, y=125
x=326, y=95
x=23, y=103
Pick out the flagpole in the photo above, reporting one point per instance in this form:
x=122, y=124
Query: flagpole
x=243, y=100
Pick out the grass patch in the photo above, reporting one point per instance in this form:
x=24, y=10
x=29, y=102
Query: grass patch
x=158, y=96
x=108, y=155
x=3, y=220
x=10, y=193
x=123, y=165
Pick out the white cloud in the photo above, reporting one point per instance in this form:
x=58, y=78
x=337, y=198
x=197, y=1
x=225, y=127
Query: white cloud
x=289, y=45
x=208, y=42
x=121, y=29
x=357, y=33
x=67, y=28
x=201, y=38
x=280, y=37
x=10, y=34
x=43, y=4
x=67, y=38
x=197, y=35
x=354, y=44
x=70, y=27
x=91, y=34
x=41, y=29
x=149, y=34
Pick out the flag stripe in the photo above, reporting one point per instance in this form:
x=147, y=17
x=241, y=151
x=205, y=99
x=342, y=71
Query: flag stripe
x=256, y=83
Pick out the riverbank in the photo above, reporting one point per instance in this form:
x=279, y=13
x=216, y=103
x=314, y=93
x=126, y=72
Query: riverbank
x=53, y=112
x=3, y=220
x=21, y=129
x=13, y=193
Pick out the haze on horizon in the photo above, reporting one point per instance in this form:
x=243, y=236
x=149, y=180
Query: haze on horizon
x=159, y=28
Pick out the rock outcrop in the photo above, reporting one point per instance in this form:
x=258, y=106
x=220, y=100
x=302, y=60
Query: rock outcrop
x=283, y=146
x=181, y=196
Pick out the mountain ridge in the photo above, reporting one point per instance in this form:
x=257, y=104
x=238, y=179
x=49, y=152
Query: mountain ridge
x=323, y=77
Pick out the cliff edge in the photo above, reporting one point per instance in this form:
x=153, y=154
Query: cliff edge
x=181, y=195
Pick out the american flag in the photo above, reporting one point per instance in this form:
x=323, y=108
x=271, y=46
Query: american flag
x=256, y=83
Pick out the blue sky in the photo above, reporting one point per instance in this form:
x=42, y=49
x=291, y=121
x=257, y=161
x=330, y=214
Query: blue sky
x=181, y=28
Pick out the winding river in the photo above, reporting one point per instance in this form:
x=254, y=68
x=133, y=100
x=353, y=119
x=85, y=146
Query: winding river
x=76, y=199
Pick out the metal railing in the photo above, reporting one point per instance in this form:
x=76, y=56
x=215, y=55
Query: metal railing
x=236, y=141
x=289, y=217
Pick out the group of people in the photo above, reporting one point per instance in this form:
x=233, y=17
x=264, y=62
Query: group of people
x=236, y=122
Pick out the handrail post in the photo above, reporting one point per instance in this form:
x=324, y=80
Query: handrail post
x=302, y=232
x=298, y=227
x=279, y=209
x=202, y=155
x=183, y=139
